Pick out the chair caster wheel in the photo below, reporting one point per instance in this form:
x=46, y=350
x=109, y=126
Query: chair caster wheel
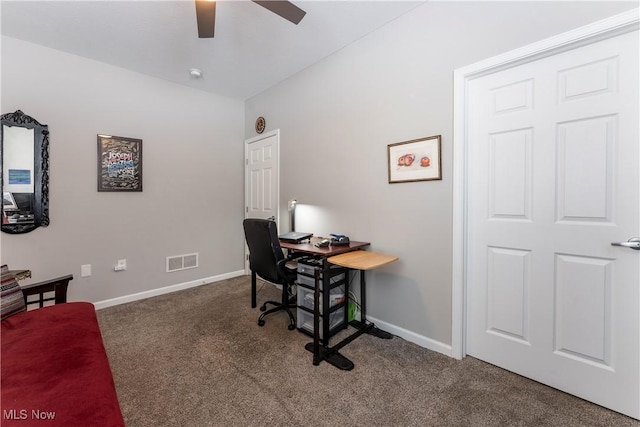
x=292, y=327
x=260, y=322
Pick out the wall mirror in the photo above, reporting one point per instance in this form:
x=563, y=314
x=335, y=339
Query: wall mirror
x=24, y=159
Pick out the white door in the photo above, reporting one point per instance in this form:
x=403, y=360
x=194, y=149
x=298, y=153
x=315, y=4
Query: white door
x=262, y=175
x=553, y=179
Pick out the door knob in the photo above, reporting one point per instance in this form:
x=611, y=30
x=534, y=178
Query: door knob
x=633, y=243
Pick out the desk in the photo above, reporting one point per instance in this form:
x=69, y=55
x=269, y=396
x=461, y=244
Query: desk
x=311, y=249
x=364, y=261
x=350, y=257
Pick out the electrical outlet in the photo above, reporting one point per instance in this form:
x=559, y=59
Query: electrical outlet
x=85, y=270
x=121, y=265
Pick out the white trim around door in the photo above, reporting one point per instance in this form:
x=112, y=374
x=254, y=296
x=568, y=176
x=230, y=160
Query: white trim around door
x=267, y=159
x=600, y=30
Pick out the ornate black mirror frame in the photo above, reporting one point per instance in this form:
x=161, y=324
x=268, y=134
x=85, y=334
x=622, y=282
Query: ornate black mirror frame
x=40, y=171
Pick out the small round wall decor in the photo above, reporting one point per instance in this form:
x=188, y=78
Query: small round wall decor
x=260, y=124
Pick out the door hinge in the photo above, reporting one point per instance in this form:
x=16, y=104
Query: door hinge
x=246, y=209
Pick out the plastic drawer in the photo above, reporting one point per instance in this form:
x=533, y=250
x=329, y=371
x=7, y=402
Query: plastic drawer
x=309, y=268
x=311, y=281
x=305, y=321
x=305, y=297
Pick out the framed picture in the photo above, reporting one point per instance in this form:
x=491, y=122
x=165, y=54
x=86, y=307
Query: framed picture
x=119, y=163
x=20, y=176
x=415, y=160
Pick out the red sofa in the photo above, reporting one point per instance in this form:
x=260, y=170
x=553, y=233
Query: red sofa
x=55, y=368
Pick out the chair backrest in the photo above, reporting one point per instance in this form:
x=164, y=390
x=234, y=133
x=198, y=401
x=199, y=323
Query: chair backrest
x=264, y=248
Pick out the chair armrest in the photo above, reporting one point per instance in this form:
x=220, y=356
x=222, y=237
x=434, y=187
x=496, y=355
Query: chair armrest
x=283, y=270
x=58, y=285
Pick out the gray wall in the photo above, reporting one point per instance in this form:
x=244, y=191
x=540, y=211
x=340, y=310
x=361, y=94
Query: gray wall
x=337, y=117
x=192, y=174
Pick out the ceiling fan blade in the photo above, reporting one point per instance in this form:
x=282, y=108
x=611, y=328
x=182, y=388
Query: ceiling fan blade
x=286, y=9
x=206, y=15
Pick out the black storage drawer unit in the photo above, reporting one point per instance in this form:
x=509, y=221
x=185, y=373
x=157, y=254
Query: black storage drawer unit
x=333, y=304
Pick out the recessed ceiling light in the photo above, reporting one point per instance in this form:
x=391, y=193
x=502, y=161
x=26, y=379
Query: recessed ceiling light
x=195, y=73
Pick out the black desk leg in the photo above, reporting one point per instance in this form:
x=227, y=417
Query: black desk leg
x=253, y=289
x=316, y=321
x=323, y=352
x=373, y=330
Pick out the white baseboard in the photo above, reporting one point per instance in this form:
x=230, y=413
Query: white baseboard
x=420, y=340
x=166, y=290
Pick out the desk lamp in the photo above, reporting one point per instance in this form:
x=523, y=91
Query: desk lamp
x=292, y=212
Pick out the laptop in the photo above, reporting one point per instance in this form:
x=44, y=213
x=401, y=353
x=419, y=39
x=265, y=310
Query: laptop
x=295, y=236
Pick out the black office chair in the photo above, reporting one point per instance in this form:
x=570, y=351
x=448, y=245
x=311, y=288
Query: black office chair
x=267, y=261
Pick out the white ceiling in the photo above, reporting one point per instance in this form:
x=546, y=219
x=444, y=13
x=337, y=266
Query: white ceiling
x=253, y=48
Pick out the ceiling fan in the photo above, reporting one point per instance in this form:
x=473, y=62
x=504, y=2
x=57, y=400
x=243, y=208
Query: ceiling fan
x=206, y=14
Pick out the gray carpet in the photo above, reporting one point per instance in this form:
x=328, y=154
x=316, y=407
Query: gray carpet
x=197, y=358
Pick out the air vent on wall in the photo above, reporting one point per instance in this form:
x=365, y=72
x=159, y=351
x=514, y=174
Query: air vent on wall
x=182, y=262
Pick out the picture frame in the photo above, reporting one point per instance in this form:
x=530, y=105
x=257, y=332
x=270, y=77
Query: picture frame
x=20, y=176
x=415, y=160
x=119, y=163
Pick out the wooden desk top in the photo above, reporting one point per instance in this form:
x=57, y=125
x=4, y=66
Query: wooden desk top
x=362, y=260
x=330, y=250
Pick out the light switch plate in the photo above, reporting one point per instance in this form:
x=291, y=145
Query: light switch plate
x=85, y=270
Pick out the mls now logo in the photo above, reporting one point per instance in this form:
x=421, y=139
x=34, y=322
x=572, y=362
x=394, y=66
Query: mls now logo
x=23, y=414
